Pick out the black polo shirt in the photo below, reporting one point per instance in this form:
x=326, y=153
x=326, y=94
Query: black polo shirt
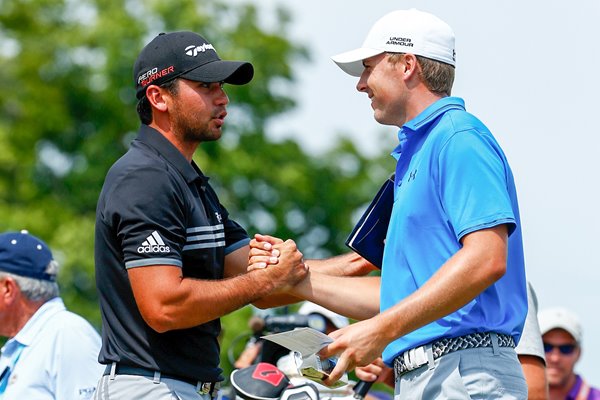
x=156, y=208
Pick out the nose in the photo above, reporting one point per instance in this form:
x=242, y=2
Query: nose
x=222, y=98
x=361, y=86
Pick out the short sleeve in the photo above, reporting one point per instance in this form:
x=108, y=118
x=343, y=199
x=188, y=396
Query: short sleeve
x=473, y=183
x=148, y=212
x=531, y=338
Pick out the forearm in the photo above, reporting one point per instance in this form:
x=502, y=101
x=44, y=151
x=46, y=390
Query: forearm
x=534, y=370
x=276, y=300
x=480, y=263
x=168, y=301
x=349, y=264
x=353, y=297
x=192, y=302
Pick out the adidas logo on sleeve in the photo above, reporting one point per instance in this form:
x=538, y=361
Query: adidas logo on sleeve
x=153, y=244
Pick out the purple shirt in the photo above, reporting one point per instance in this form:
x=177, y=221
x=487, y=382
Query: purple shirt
x=593, y=395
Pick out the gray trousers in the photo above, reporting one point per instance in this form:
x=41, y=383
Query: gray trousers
x=479, y=373
x=128, y=387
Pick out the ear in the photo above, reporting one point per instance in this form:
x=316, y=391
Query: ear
x=156, y=97
x=8, y=290
x=411, y=65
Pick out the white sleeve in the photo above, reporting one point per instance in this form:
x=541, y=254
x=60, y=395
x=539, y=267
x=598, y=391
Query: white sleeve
x=531, y=339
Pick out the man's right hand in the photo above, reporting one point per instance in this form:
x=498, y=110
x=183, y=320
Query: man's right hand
x=285, y=262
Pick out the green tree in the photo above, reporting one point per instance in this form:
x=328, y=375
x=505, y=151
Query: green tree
x=68, y=112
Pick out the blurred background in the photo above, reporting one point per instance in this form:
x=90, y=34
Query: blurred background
x=301, y=155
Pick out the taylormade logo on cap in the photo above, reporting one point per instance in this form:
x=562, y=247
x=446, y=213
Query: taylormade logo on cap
x=193, y=51
x=403, y=31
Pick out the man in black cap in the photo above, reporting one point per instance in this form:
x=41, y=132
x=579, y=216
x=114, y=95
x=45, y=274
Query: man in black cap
x=169, y=259
x=51, y=353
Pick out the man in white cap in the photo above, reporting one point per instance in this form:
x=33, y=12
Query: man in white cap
x=451, y=301
x=562, y=334
x=51, y=353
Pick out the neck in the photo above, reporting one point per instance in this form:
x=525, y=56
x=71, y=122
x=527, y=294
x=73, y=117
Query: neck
x=419, y=103
x=21, y=312
x=185, y=148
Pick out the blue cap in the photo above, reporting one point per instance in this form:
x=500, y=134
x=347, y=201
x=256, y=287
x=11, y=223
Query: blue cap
x=25, y=255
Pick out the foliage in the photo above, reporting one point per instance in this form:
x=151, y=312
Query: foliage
x=68, y=112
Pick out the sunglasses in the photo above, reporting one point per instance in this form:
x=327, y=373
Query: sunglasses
x=565, y=349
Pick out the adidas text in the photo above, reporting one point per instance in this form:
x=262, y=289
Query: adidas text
x=153, y=249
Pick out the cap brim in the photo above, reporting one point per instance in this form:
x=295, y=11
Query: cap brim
x=565, y=327
x=351, y=62
x=232, y=72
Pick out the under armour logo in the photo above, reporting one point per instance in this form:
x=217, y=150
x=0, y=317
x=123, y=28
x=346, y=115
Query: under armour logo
x=412, y=175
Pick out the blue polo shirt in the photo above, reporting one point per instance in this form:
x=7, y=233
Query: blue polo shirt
x=452, y=178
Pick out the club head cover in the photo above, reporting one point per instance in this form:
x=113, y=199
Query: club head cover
x=262, y=381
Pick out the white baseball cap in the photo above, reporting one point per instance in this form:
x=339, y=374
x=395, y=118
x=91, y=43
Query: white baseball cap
x=560, y=318
x=402, y=31
x=311, y=308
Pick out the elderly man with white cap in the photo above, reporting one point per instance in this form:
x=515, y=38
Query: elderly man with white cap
x=451, y=300
x=562, y=334
x=51, y=353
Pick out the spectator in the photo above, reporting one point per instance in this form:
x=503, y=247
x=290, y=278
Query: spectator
x=562, y=336
x=51, y=353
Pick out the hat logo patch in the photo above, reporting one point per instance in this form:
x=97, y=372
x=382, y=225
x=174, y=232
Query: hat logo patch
x=193, y=50
x=400, y=41
x=154, y=73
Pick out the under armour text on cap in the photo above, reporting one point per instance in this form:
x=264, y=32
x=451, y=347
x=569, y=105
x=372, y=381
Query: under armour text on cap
x=25, y=255
x=402, y=31
x=185, y=55
x=560, y=318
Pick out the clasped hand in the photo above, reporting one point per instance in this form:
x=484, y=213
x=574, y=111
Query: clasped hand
x=268, y=251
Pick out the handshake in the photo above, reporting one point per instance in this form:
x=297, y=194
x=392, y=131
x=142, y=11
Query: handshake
x=281, y=260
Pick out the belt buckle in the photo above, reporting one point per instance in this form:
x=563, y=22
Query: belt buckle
x=414, y=358
x=205, y=388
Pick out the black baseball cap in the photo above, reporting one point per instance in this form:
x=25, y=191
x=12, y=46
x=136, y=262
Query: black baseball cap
x=185, y=55
x=25, y=255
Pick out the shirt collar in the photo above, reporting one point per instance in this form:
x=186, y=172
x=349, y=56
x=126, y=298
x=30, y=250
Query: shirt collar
x=421, y=123
x=428, y=115
x=575, y=389
x=161, y=144
x=37, y=321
